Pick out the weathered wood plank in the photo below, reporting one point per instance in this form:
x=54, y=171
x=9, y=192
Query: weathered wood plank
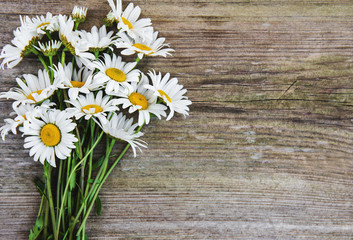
x=267, y=150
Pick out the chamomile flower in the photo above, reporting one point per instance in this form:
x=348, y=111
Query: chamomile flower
x=71, y=39
x=151, y=46
x=80, y=81
x=116, y=74
x=115, y=13
x=90, y=106
x=120, y=128
x=50, y=136
x=143, y=101
x=79, y=14
x=49, y=48
x=170, y=91
x=128, y=22
x=22, y=45
x=22, y=113
x=97, y=40
x=33, y=89
x=40, y=24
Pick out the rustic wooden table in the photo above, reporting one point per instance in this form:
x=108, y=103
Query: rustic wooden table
x=266, y=152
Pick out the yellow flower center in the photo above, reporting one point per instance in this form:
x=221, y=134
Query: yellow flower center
x=116, y=74
x=31, y=97
x=77, y=84
x=138, y=100
x=43, y=24
x=50, y=135
x=97, y=108
x=126, y=22
x=142, y=47
x=162, y=93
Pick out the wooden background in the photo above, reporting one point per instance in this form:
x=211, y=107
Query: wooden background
x=266, y=152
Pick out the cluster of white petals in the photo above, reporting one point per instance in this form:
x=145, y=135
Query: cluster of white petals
x=90, y=83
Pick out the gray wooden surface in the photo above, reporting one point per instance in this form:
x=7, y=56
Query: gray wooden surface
x=266, y=152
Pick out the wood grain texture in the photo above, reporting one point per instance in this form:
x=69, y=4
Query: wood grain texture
x=266, y=152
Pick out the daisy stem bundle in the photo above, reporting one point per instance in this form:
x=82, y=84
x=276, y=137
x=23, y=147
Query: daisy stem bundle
x=69, y=179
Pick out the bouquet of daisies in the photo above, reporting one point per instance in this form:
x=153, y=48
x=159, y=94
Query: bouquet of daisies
x=86, y=93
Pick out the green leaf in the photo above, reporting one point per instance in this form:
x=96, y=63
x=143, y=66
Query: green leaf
x=98, y=163
x=40, y=186
x=91, y=181
x=98, y=205
x=73, y=181
x=37, y=229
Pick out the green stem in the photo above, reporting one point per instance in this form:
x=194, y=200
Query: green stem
x=76, y=129
x=46, y=219
x=65, y=169
x=58, y=188
x=96, y=54
x=82, y=177
x=40, y=58
x=72, y=186
x=51, y=69
x=99, y=187
x=50, y=199
x=76, y=25
x=95, y=184
x=90, y=157
x=63, y=57
x=101, y=183
x=92, y=123
x=68, y=182
x=41, y=206
x=48, y=35
x=73, y=61
x=43, y=62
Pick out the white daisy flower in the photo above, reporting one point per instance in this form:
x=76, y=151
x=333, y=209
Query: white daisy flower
x=22, y=113
x=170, y=91
x=98, y=40
x=71, y=39
x=149, y=46
x=115, y=13
x=50, y=136
x=120, y=128
x=128, y=23
x=49, y=48
x=40, y=24
x=80, y=81
x=89, y=106
x=79, y=14
x=23, y=43
x=33, y=89
x=127, y=20
x=143, y=101
x=116, y=74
